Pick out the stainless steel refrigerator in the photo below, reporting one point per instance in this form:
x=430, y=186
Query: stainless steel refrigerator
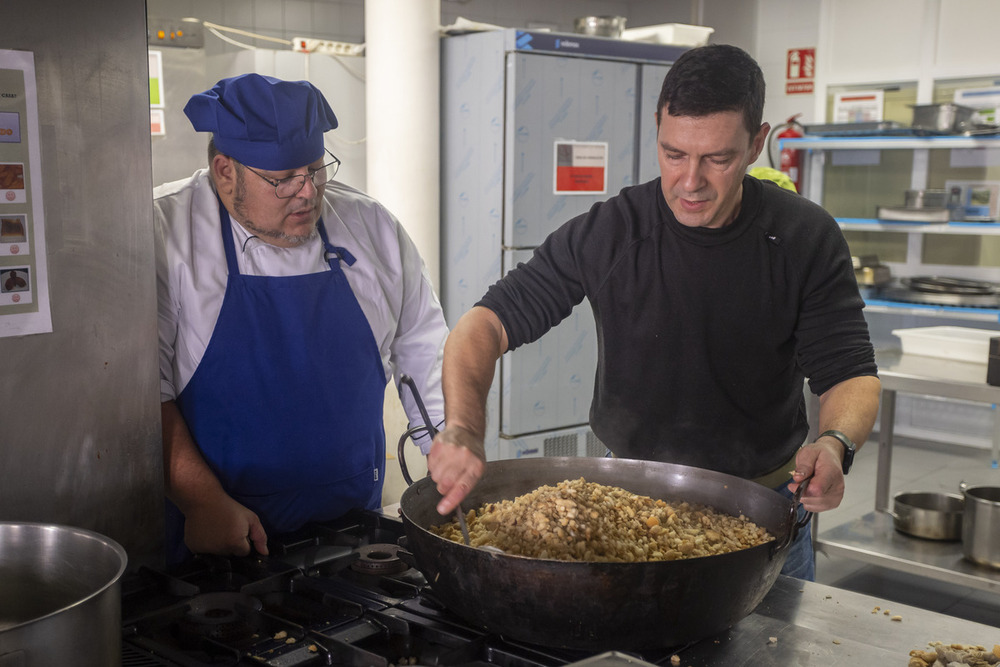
x=537, y=127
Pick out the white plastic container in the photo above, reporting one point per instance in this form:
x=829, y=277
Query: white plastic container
x=675, y=34
x=958, y=343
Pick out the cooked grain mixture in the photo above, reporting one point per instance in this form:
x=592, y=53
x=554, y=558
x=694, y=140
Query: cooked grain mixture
x=584, y=521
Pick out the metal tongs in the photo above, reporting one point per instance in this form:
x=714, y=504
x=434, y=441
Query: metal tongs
x=459, y=514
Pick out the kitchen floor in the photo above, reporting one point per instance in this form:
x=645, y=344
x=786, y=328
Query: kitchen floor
x=916, y=466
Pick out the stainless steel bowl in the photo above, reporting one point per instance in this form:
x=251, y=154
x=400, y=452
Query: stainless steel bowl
x=600, y=26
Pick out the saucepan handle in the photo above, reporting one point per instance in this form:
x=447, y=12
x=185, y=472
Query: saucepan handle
x=411, y=432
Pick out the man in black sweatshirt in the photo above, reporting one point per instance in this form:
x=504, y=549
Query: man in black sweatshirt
x=714, y=294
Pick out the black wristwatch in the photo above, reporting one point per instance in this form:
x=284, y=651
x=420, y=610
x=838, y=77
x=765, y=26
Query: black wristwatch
x=849, y=448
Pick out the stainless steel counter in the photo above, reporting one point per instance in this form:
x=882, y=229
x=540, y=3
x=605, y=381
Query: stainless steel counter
x=814, y=624
x=872, y=538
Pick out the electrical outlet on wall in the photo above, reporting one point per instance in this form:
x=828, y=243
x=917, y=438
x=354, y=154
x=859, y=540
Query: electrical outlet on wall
x=329, y=47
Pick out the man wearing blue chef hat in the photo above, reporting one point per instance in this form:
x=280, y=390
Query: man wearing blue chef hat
x=287, y=301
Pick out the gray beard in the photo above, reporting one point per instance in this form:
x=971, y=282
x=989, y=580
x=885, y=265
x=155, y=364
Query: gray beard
x=239, y=206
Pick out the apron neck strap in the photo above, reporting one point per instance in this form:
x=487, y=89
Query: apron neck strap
x=334, y=254
x=227, y=238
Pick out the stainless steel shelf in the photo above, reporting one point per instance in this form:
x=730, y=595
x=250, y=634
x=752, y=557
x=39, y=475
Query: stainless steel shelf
x=888, y=143
x=927, y=310
x=952, y=228
x=874, y=540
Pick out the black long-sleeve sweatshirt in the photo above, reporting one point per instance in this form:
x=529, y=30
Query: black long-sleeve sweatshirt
x=704, y=335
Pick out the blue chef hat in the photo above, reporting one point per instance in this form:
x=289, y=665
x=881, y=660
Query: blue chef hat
x=264, y=122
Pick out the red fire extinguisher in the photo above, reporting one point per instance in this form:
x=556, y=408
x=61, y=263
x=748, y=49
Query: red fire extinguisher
x=790, y=158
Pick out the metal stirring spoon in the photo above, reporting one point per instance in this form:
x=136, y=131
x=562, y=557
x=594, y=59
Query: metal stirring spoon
x=459, y=514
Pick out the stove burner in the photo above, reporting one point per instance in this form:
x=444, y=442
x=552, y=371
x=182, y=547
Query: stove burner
x=224, y=617
x=219, y=608
x=381, y=559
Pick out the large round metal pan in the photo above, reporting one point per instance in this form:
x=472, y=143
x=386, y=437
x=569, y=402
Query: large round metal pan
x=602, y=606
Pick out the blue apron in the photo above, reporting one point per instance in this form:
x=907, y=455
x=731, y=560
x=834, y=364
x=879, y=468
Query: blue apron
x=287, y=402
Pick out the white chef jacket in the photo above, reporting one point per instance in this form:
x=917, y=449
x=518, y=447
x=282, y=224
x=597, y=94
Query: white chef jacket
x=388, y=279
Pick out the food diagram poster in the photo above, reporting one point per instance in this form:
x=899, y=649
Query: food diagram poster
x=24, y=290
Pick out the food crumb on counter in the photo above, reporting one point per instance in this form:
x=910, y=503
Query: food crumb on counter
x=896, y=618
x=675, y=659
x=837, y=642
x=312, y=648
x=772, y=640
x=290, y=640
x=280, y=634
x=876, y=610
x=886, y=612
x=828, y=597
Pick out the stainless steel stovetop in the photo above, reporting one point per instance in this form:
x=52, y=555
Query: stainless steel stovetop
x=342, y=594
x=336, y=594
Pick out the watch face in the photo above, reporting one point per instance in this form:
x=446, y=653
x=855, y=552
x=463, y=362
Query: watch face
x=848, y=459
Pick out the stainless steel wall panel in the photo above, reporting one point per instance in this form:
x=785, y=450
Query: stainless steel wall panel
x=80, y=424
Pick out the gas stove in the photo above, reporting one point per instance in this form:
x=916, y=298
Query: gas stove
x=339, y=593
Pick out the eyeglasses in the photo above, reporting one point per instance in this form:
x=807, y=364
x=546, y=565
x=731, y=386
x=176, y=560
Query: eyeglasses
x=287, y=188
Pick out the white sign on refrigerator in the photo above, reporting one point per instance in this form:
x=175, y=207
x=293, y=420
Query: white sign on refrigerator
x=24, y=287
x=581, y=168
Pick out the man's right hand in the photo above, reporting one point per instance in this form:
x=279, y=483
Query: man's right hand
x=224, y=528
x=456, y=462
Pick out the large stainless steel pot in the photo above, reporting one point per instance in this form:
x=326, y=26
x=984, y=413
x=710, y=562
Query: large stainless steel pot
x=602, y=606
x=60, y=597
x=981, y=525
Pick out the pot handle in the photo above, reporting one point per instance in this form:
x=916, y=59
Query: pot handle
x=409, y=433
x=428, y=426
x=793, y=513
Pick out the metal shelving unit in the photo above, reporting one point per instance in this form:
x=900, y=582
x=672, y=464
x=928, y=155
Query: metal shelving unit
x=873, y=538
x=817, y=149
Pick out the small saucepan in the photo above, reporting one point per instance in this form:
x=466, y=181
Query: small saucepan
x=931, y=516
